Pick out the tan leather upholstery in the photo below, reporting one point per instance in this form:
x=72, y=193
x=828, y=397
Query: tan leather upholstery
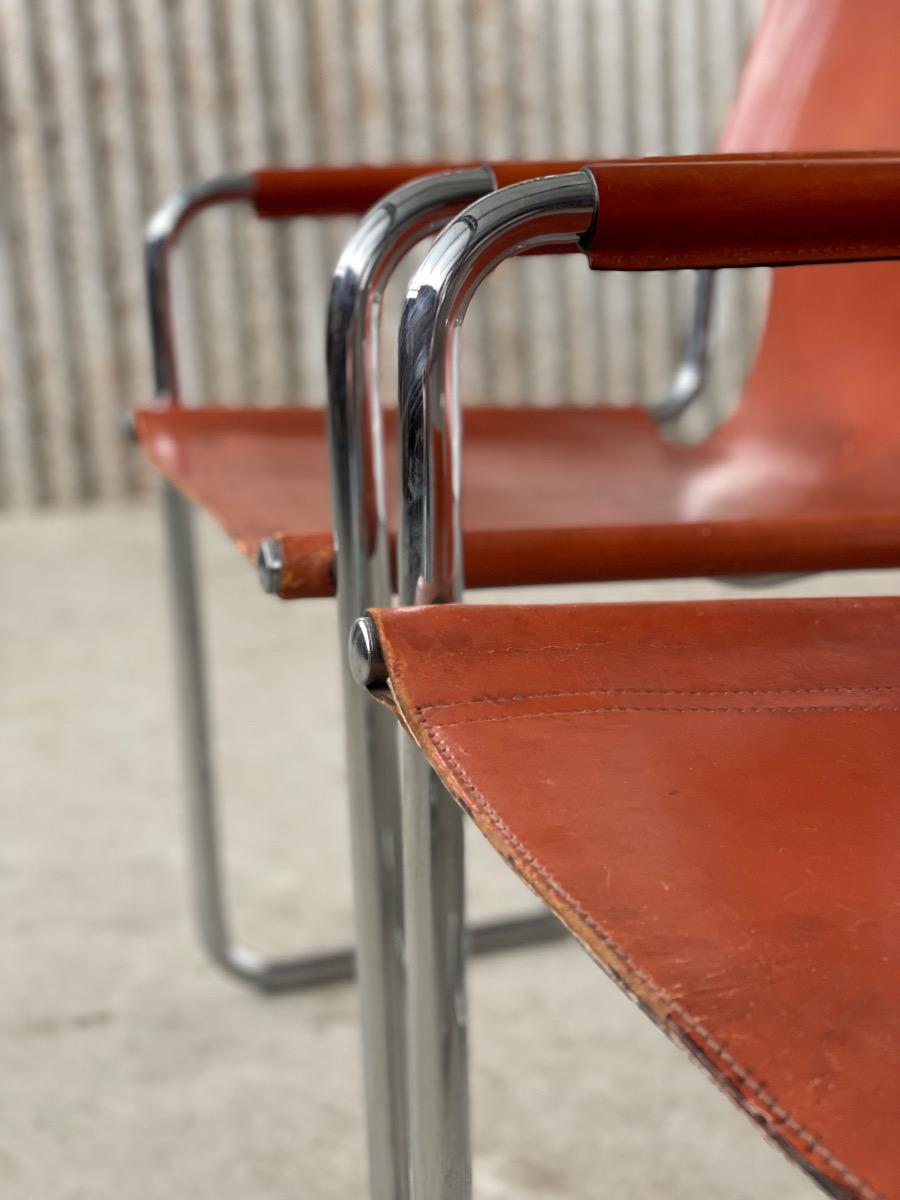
x=804, y=476
x=706, y=794
x=560, y=495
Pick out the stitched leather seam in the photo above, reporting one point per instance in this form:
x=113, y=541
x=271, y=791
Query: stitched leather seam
x=738, y=255
x=637, y=708
x=531, y=650
x=814, y=1144
x=636, y=691
x=521, y=649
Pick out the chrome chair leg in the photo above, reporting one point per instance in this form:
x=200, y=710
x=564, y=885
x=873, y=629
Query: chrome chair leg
x=359, y=508
x=437, y=1022
x=266, y=974
x=209, y=893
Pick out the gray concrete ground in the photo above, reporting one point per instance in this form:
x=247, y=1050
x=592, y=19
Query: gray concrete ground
x=128, y=1067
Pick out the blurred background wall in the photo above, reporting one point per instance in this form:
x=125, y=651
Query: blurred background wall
x=107, y=106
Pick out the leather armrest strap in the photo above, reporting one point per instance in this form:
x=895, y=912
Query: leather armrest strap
x=322, y=191
x=745, y=210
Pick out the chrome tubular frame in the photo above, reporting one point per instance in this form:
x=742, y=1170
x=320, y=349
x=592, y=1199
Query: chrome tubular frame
x=245, y=964
x=160, y=238
x=555, y=210
x=357, y=372
x=690, y=375
x=410, y=214
x=364, y=578
x=387, y=232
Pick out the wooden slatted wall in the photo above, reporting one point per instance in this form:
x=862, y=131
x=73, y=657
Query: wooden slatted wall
x=107, y=106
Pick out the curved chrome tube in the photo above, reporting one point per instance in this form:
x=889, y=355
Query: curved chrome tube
x=558, y=210
x=384, y=236
x=162, y=232
x=374, y=254
x=555, y=210
x=266, y=974
x=690, y=374
x=194, y=727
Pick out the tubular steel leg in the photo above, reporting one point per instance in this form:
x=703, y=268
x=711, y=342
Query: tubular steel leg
x=210, y=905
x=436, y=1030
x=437, y=1023
x=364, y=579
x=267, y=974
x=374, y=786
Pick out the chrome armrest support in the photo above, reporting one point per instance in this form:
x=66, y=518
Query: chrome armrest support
x=385, y=235
x=362, y=554
x=557, y=210
x=160, y=237
x=690, y=375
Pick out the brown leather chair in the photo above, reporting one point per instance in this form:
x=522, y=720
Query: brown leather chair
x=799, y=479
x=704, y=793
x=796, y=486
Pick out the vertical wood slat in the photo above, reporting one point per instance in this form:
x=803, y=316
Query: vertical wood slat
x=22, y=465
x=93, y=185
x=64, y=473
x=274, y=137
x=110, y=105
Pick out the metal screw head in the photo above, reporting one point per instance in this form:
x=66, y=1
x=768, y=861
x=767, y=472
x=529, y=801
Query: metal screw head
x=269, y=565
x=367, y=665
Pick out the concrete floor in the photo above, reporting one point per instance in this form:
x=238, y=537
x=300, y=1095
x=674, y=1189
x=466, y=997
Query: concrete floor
x=128, y=1067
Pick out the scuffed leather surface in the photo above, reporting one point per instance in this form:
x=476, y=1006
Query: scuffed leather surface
x=706, y=794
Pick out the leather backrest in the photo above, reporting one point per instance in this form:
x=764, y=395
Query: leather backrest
x=825, y=75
